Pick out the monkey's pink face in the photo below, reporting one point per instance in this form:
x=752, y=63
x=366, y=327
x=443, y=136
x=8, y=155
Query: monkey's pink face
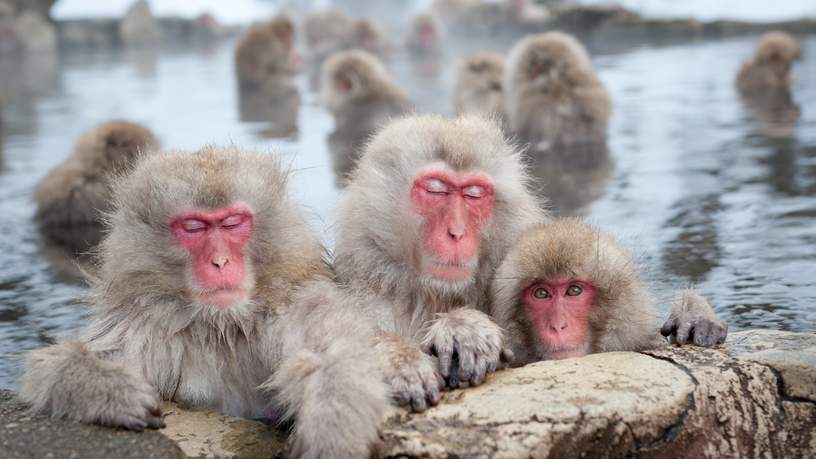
x=453, y=206
x=215, y=240
x=559, y=311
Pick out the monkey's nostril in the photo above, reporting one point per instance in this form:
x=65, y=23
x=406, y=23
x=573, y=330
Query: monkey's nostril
x=220, y=262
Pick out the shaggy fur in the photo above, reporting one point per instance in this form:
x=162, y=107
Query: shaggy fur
x=478, y=86
x=379, y=238
x=769, y=68
x=623, y=317
x=265, y=54
x=284, y=348
x=552, y=96
x=77, y=191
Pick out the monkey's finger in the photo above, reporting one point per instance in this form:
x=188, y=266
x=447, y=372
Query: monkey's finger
x=507, y=356
x=402, y=397
x=129, y=422
x=418, y=404
x=467, y=362
x=155, y=422
x=702, y=329
x=432, y=393
x=683, y=332
x=480, y=371
x=668, y=328
x=445, y=360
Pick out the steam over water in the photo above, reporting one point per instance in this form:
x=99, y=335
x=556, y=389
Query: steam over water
x=694, y=184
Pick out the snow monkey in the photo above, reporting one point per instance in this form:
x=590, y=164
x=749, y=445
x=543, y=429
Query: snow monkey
x=361, y=94
x=769, y=68
x=426, y=219
x=478, y=85
x=210, y=293
x=73, y=196
x=266, y=53
x=567, y=290
x=552, y=95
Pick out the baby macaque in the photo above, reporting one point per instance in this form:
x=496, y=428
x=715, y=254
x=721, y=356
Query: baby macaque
x=212, y=292
x=369, y=36
x=552, y=96
x=478, y=86
x=73, y=196
x=428, y=215
x=426, y=34
x=361, y=94
x=266, y=53
x=567, y=290
x=769, y=68
x=764, y=83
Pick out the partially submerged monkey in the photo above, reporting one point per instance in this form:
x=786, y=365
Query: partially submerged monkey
x=769, y=68
x=551, y=93
x=211, y=291
x=72, y=198
x=266, y=54
x=478, y=87
x=567, y=290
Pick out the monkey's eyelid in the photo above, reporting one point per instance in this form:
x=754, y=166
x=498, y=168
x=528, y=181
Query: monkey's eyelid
x=435, y=186
x=474, y=191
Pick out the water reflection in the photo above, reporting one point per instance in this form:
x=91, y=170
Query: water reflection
x=274, y=105
x=571, y=177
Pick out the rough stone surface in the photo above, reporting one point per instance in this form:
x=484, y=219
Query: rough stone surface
x=744, y=400
x=204, y=434
x=23, y=435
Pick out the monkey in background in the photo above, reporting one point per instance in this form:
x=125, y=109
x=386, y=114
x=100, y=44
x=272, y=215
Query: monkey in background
x=552, y=95
x=362, y=96
x=764, y=83
x=478, y=86
x=426, y=35
x=212, y=292
x=266, y=54
x=72, y=198
x=428, y=215
x=567, y=290
x=370, y=36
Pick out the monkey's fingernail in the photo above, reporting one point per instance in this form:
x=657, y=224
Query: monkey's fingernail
x=136, y=425
x=418, y=404
x=434, y=396
x=402, y=397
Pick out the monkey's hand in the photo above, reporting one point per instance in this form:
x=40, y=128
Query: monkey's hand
x=469, y=345
x=68, y=380
x=693, y=319
x=411, y=373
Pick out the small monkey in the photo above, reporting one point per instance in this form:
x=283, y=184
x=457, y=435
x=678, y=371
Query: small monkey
x=362, y=96
x=266, y=53
x=478, y=85
x=567, y=290
x=764, y=84
x=428, y=215
x=211, y=291
x=769, y=68
x=369, y=36
x=552, y=95
x=426, y=34
x=73, y=196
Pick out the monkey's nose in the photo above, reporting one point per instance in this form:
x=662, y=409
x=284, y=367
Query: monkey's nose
x=456, y=232
x=558, y=328
x=220, y=261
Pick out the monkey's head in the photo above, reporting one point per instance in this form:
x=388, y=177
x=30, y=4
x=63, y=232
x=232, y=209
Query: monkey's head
x=113, y=146
x=544, y=60
x=483, y=71
x=427, y=30
x=566, y=290
x=206, y=233
x=368, y=35
x=351, y=76
x=778, y=50
x=432, y=205
x=267, y=50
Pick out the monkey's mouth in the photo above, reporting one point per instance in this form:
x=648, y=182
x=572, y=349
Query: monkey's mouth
x=222, y=297
x=450, y=271
x=566, y=353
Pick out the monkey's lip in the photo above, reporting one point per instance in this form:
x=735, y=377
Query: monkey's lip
x=450, y=271
x=566, y=353
x=223, y=297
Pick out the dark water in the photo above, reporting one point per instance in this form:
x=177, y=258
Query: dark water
x=693, y=182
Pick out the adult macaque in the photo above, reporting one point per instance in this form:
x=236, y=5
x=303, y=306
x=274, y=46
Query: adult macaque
x=552, y=96
x=567, y=290
x=266, y=54
x=429, y=213
x=362, y=96
x=426, y=34
x=369, y=36
x=764, y=83
x=73, y=196
x=210, y=292
x=478, y=87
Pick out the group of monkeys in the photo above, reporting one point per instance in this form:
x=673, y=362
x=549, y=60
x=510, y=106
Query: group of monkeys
x=209, y=288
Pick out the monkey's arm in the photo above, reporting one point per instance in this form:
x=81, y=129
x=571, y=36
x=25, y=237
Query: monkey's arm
x=692, y=318
x=70, y=380
x=469, y=345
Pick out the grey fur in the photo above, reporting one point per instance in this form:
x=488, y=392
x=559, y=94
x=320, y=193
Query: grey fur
x=284, y=348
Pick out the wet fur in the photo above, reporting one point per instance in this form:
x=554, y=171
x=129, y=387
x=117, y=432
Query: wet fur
x=262, y=57
x=146, y=337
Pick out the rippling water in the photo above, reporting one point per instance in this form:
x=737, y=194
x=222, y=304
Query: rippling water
x=693, y=182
